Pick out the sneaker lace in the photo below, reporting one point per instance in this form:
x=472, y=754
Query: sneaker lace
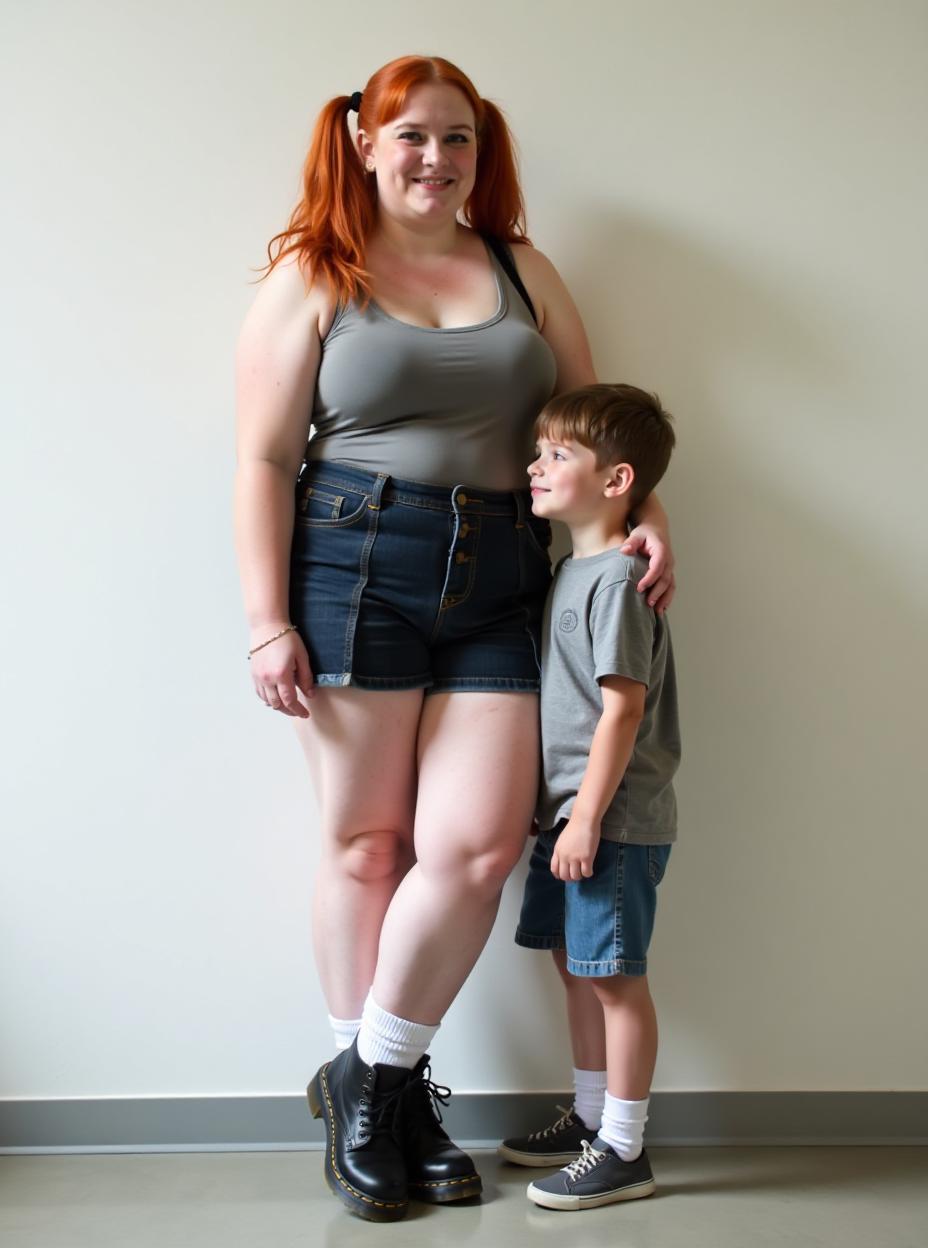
x=588, y=1159
x=561, y=1125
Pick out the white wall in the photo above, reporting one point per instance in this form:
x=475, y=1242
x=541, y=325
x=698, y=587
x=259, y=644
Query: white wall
x=736, y=195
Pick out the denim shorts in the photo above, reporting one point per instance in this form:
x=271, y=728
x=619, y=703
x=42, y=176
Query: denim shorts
x=403, y=585
x=605, y=922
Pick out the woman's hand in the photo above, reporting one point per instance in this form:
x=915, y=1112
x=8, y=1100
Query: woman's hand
x=280, y=669
x=654, y=544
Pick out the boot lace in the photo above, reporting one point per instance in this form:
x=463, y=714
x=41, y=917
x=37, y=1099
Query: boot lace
x=378, y=1111
x=435, y=1093
x=561, y=1125
x=588, y=1160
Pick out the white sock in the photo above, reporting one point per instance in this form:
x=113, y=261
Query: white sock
x=589, y=1093
x=623, y=1126
x=394, y=1041
x=345, y=1030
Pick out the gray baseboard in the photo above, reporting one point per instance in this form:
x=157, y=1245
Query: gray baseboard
x=169, y=1124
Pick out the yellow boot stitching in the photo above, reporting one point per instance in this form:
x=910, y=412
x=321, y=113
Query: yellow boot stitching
x=383, y=1204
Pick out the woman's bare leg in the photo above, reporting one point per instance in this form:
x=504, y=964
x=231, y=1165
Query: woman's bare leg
x=361, y=750
x=478, y=777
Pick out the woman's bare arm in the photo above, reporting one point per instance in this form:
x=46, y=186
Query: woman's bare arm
x=276, y=363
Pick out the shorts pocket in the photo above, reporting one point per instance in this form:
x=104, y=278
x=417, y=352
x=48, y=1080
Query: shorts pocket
x=657, y=862
x=538, y=533
x=327, y=506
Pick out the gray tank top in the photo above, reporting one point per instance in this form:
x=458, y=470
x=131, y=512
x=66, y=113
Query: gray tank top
x=445, y=406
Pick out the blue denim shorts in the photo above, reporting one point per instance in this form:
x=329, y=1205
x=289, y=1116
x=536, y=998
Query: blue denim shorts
x=403, y=585
x=605, y=922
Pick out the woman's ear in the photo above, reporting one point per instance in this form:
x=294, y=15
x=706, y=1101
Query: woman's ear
x=365, y=146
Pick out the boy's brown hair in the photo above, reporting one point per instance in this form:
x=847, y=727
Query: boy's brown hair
x=620, y=424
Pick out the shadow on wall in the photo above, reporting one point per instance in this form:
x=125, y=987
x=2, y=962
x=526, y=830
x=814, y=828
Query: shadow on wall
x=790, y=631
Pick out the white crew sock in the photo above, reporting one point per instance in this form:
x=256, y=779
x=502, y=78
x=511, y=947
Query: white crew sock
x=589, y=1094
x=623, y=1126
x=345, y=1030
x=394, y=1041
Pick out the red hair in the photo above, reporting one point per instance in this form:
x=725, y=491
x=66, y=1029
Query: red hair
x=330, y=225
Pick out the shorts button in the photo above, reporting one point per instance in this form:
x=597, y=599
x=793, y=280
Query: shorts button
x=460, y=557
x=461, y=498
x=464, y=529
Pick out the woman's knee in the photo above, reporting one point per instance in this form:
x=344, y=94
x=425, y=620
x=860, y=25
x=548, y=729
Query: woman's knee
x=486, y=871
x=370, y=855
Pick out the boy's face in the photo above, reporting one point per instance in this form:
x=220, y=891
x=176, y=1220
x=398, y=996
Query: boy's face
x=565, y=482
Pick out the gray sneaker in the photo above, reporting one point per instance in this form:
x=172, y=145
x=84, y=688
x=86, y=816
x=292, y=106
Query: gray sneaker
x=599, y=1176
x=555, y=1146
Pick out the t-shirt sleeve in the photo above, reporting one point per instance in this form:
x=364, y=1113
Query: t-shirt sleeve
x=622, y=630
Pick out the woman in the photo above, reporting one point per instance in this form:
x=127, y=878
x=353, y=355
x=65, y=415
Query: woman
x=394, y=597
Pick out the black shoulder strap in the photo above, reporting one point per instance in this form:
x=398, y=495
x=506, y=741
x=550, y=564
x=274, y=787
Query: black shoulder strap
x=504, y=255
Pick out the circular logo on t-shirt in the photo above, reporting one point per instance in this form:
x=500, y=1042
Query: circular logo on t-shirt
x=568, y=621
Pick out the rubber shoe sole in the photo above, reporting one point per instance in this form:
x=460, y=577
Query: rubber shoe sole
x=445, y=1191
x=538, y=1159
x=553, y=1200
x=357, y=1202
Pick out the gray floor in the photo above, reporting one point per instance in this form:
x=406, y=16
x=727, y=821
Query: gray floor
x=712, y=1197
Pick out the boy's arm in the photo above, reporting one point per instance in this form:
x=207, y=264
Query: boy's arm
x=610, y=752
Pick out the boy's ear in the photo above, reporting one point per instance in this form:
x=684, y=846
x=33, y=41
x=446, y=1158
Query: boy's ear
x=619, y=481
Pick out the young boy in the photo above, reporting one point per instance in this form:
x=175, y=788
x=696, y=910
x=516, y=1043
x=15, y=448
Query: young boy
x=607, y=811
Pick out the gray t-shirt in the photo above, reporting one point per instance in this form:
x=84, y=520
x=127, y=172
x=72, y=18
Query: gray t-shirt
x=597, y=624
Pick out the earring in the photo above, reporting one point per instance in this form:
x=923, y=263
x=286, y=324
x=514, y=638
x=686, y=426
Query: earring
x=370, y=166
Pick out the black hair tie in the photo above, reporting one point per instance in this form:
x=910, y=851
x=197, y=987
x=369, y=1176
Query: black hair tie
x=354, y=104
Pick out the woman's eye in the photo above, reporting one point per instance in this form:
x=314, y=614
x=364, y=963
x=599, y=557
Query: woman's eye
x=411, y=134
x=458, y=138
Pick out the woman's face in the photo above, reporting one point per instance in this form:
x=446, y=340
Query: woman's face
x=425, y=159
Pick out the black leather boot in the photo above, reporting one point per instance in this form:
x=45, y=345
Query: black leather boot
x=361, y=1106
x=437, y=1170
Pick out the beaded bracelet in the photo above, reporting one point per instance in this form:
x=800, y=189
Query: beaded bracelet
x=291, y=628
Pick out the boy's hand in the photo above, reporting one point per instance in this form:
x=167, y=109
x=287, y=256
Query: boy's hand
x=574, y=850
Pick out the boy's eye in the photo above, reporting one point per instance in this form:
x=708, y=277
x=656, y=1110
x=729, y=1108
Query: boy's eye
x=557, y=455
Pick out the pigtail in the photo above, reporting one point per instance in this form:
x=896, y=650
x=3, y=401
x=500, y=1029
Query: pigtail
x=330, y=224
x=496, y=206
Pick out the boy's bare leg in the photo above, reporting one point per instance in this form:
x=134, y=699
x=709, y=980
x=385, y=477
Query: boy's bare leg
x=631, y=1034
x=585, y=1017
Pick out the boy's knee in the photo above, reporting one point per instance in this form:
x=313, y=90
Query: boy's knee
x=559, y=957
x=612, y=988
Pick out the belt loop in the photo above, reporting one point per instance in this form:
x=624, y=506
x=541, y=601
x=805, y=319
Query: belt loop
x=379, y=484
